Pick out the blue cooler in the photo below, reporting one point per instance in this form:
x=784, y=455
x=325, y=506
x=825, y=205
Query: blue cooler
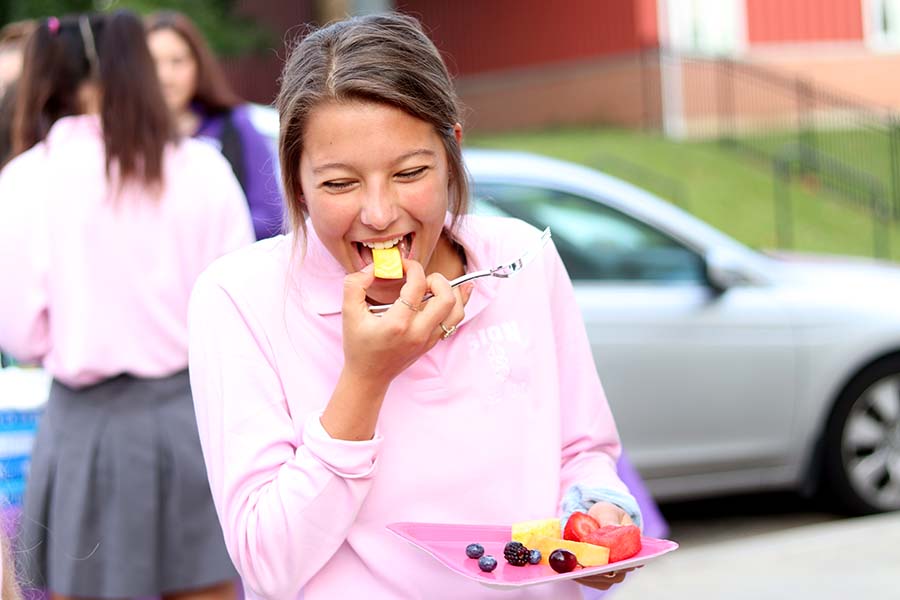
x=23, y=394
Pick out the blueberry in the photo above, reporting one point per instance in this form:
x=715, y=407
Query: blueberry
x=487, y=563
x=534, y=557
x=474, y=550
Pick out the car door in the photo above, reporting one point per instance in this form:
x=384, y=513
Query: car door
x=702, y=384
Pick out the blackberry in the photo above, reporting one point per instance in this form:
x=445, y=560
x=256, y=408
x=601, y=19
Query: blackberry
x=474, y=550
x=516, y=554
x=487, y=563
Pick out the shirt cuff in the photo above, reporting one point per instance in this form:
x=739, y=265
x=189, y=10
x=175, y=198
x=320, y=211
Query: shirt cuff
x=351, y=460
x=580, y=498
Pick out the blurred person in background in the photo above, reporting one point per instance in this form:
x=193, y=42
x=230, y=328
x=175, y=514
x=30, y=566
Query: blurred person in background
x=12, y=46
x=108, y=218
x=204, y=105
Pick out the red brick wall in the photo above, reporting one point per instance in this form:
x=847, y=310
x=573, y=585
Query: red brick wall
x=492, y=35
x=778, y=21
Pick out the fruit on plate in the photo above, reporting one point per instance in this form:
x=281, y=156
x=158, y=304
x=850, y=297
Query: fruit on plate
x=388, y=264
x=526, y=531
x=516, y=554
x=474, y=550
x=589, y=555
x=623, y=541
x=487, y=563
x=563, y=561
x=579, y=526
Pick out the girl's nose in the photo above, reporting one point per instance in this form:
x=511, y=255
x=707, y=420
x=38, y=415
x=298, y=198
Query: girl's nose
x=378, y=210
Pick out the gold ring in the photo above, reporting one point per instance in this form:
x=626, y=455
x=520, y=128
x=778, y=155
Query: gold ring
x=610, y=575
x=409, y=305
x=448, y=331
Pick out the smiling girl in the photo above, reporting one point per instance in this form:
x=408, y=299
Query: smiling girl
x=323, y=422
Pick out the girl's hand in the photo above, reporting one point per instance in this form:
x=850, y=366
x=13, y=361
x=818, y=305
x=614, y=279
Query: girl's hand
x=382, y=347
x=607, y=513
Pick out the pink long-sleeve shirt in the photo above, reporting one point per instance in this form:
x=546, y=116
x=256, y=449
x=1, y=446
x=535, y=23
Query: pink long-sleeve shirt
x=96, y=285
x=491, y=426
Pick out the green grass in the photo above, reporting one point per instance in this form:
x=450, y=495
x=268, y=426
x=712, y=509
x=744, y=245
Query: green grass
x=725, y=188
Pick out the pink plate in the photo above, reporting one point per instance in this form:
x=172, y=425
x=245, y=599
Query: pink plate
x=447, y=543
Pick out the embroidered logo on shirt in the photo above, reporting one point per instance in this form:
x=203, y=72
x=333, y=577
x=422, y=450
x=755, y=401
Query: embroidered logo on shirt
x=492, y=347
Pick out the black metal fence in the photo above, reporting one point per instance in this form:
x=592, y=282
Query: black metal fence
x=849, y=147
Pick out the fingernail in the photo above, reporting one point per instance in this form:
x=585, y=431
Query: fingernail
x=368, y=268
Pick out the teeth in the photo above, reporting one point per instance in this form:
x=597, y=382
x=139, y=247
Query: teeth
x=383, y=245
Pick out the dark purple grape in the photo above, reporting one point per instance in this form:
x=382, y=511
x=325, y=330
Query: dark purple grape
x=562, y=561
x=487, y=563
x=474, y=550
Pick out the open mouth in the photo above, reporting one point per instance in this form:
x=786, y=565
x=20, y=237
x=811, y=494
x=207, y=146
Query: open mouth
x=403, y=243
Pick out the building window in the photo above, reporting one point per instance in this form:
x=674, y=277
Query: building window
x=708, y=27
x=882, y=23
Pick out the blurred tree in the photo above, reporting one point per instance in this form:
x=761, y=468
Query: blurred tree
x=227, y=32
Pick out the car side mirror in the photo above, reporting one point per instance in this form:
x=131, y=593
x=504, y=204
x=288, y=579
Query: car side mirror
x=724, y=271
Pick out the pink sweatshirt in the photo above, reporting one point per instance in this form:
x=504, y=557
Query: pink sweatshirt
x=94, y=287
x=491, y=426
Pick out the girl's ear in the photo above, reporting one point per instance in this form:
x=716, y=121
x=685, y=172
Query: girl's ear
x=457, y=132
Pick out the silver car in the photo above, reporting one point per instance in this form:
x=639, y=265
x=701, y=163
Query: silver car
x=728, y=370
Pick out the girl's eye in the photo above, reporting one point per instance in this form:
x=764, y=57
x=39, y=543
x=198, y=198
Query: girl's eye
x=412, y=173
x=337, y=186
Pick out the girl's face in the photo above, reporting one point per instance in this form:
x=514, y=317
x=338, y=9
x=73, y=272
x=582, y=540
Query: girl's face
x=175, y=66
x=372, y=174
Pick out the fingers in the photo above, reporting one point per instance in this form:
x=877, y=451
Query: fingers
x=355, y=286
x=415, y=286
x=607, y=513
x=603, y=581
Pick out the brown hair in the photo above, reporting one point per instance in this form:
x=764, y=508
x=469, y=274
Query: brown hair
x=384, y=58
x=62, y=55
x=212, y=93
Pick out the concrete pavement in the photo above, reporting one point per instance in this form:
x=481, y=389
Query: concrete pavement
x=857, y=559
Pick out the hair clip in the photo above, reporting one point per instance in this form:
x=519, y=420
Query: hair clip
x=53, y=25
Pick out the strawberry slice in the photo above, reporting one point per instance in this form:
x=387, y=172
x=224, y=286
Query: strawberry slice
x=623, y=541
x=579, y=526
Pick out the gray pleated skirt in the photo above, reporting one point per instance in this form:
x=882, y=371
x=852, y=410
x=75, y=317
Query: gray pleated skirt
x=117, y=502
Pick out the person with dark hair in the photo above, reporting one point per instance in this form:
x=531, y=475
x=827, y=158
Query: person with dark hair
x=323, y=420
x=108, y=218
x=12, y=45
x=7, y=105
x=205, y=106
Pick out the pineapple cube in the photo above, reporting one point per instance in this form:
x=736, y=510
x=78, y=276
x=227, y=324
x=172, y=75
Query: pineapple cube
x=526, y=531
x=588, y=555
x=388, y=264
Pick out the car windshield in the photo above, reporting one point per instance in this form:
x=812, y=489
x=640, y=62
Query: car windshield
x=595, y=241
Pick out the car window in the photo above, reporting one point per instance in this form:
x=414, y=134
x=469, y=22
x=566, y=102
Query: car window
x=594, y=240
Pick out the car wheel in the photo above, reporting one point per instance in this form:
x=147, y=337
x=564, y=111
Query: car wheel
x=862, y=441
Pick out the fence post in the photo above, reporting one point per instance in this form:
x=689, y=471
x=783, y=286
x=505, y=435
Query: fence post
x=725, y=101
x=806, y=124
x=782, y=195
x=881, y=241
x=894, y=149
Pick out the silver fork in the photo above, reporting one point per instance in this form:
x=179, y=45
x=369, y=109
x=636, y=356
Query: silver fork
x=505, y=270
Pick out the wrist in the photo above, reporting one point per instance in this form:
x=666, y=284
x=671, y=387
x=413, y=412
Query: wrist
x=352, y=412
